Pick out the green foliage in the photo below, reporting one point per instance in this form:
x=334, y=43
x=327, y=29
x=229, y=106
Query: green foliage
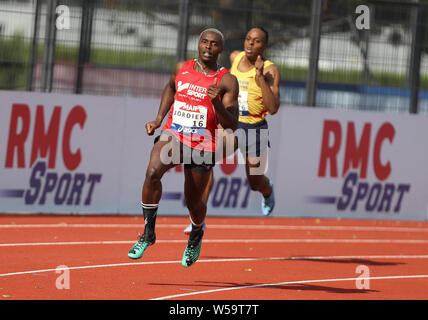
x=137, y=59
x=14, y=54
x=387, y=79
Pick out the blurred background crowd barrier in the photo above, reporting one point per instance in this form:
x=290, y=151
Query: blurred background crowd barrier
x=341, y=54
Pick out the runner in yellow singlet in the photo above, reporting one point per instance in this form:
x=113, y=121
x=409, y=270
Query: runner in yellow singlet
x=258, y=80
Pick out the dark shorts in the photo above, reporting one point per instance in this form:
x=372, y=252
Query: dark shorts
x=193, y=159
x=253, y=139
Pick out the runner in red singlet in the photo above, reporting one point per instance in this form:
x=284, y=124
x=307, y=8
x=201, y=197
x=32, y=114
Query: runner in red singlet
x=199, y=96
x=259, y=93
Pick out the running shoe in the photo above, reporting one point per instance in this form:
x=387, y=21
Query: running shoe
x=191, y=254
x=137, y=250
x=268, y=203
x=189, y=228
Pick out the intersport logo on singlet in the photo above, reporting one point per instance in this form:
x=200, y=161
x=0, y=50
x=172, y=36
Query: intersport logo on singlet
x=192, y=90
x=48, y=139
x=358, y=157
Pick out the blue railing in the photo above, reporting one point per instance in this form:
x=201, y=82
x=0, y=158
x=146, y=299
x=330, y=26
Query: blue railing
x=354, y=97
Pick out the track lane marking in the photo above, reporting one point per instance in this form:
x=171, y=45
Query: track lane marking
x=290, y=283
x=124, y=264
x=218, y=226
x=104, y=242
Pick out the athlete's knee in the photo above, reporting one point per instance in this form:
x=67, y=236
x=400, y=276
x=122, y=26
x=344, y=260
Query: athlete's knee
x=195, y=205
x=153, y=175
x=256, y=183
x=255, y=186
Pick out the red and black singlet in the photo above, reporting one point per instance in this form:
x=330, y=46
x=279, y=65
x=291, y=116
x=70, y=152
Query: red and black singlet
x=192, y=119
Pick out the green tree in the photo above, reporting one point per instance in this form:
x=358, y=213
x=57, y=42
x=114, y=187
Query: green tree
x=13, y=63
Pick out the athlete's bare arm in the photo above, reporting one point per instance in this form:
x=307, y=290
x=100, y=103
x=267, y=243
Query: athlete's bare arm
x=166, y=101
x=268, y=80
x=226, y=108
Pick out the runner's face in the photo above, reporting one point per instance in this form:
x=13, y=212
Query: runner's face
x=255, y=43
x=210, y=46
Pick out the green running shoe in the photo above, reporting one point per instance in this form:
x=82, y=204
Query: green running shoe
x=137, y=250
x=191, y=254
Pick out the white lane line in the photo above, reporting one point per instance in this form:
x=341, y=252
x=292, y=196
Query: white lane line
x=365, y=241
x=65, y=243
x=125, y=264
x=78, y=225
x=417, y=276
x=218, y=226
x=89, y=267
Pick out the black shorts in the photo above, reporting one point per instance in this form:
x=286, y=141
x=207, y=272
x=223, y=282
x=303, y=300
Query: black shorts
x=193, y=159
x=253, y=138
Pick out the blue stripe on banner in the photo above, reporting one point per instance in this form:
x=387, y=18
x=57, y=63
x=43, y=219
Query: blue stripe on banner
x=171, y=195
x=11, y=193
x=322, y=199
x=361, y=89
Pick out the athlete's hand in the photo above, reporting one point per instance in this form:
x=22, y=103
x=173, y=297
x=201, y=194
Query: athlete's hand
x=151, y=127
x=213, y=90
x=259, y=66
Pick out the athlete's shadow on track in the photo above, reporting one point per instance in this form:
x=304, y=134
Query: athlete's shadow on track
x=297, y=286
x=302, y=287
x=314, y=259
x=356, y=261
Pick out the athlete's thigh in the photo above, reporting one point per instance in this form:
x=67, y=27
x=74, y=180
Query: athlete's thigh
x=226, y=144
x=158, y=161
x=256, y=166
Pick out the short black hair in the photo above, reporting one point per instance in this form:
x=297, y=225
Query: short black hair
x=218, y=32
x=265, y=32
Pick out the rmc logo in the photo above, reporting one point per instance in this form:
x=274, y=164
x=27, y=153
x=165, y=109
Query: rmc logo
x=381, y=195
x=67, y=188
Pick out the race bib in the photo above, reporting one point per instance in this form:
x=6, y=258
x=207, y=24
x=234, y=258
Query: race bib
x=189, y=119
x=243, y=103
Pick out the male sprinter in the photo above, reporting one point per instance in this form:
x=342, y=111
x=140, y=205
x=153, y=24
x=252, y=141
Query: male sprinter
x=258, y=96
x=199, y=95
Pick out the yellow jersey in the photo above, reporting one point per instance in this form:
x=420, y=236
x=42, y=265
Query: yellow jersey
x=251, y=108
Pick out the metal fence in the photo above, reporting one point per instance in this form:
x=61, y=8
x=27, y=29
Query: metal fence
x=329, y=53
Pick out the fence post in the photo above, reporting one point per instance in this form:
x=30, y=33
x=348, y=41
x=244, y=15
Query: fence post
x=182, y=30
x=315, y=34
x=49, y=50
x=415, y=59
x=85, y=42
x=34, y=46
x=249, y=15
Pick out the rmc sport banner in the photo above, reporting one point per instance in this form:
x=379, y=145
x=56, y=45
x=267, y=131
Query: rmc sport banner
x=86, y=154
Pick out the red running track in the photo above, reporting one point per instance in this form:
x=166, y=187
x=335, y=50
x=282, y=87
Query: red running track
x=85, y=257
